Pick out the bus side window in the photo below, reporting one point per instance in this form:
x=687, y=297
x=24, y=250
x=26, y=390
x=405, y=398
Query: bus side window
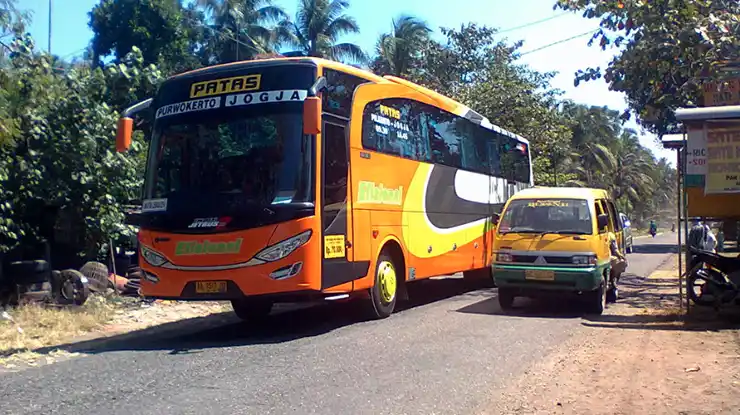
x=494, y=155
x=391, y=126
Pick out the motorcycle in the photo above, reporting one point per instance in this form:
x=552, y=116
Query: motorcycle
x=721, y=276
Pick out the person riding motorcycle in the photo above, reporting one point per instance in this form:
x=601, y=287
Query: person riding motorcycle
x=653, y=228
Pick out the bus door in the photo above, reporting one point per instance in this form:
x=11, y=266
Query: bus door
x=337, y=266
x=498, y=194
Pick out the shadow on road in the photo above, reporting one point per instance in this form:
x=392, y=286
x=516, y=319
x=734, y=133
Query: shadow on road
x=525, y=307
x=655, y=249
x=289, y=322
x=653, y=304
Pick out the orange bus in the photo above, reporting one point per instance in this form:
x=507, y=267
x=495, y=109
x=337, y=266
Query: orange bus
x=291, y=179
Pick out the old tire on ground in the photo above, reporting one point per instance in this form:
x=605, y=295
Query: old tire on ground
x=506, y=298
x=97, y=275
x=134, y=276
x=252, y=310
x=73, y=289
x=383, y=294
x=596, y=300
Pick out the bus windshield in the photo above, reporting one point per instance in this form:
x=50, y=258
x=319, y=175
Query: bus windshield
x=559, y=216
x=258, y=155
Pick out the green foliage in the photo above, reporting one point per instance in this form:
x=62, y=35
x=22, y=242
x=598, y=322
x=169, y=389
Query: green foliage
x=667, y=49
x=399, y=52
x=63, y=154
x=607, y=156
x=165, y=32
x=237, y=29
x=318, y=26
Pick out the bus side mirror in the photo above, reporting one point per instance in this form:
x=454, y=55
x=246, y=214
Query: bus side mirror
x=123, y=134
x=496, y=218
x=312, y=115
x=602, y=221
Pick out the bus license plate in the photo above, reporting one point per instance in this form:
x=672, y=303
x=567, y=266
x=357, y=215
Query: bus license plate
x=539, y=275
x=210, y=287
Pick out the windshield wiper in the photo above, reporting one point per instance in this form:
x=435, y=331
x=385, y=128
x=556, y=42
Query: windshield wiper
x=569, y=232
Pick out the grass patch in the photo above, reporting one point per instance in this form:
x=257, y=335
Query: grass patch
x=34, y=326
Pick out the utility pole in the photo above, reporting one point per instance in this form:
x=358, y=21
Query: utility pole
x=49, y=45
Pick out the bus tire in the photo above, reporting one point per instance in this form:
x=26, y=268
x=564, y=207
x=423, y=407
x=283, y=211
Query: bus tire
x=251, y=309
x=384, y=292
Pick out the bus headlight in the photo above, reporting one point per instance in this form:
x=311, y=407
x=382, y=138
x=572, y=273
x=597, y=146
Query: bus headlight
x=283, y=248
x=153, y=257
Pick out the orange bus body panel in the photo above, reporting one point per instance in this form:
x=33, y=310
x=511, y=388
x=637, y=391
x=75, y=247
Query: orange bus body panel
x=251, y=280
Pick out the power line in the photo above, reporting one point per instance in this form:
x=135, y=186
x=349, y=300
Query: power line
x=590, y=32
x=536, y=22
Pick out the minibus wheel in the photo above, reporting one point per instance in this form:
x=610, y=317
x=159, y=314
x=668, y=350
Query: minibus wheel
x=596, y=300
x=506, y=298
x=384, y=292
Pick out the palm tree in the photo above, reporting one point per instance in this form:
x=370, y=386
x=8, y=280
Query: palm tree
x=398, y=51
x=624, y=168
x=238, y=27
x=318, y=26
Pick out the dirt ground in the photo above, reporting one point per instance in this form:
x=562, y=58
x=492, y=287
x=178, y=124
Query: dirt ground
x=643, y=356
x=32, y=333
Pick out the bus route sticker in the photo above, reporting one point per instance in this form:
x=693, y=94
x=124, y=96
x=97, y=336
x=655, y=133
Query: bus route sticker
x=266, y=97
x=334, y=246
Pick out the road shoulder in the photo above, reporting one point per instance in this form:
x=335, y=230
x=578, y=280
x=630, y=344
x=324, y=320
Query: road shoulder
x=641, y=357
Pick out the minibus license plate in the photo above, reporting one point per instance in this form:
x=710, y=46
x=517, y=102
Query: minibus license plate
x=210, y=287
x=539, y=275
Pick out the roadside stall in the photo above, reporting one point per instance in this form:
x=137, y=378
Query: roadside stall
x=708, y=163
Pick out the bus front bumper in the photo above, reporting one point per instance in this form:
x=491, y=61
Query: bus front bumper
x=531, y=280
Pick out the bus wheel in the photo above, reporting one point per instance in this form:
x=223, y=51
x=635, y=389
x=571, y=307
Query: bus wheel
x=251, y=309
x=383, y=294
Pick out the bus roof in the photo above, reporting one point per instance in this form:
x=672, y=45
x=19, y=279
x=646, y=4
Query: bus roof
x=588, y=193
x=316, y=61
x=362, y=73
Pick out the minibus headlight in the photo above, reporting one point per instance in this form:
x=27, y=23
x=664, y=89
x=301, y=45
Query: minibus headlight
x=503, y=257
x=584, y=259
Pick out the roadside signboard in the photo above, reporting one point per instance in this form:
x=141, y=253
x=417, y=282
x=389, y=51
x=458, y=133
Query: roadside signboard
x=723, y=160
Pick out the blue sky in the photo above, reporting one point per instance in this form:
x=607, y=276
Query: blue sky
x=71, y=34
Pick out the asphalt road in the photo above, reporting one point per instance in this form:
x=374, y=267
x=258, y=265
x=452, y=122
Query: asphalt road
x=446, y=352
